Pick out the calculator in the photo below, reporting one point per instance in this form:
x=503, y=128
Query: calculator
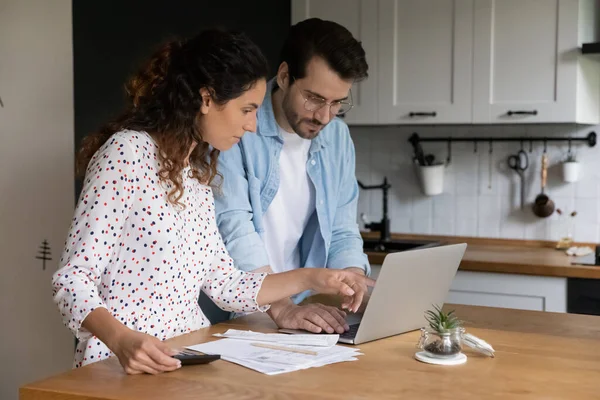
x=195, y=359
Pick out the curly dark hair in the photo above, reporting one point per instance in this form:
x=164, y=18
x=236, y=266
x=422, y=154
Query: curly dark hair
x=164, y=100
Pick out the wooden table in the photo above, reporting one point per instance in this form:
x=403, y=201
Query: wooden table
x=538, y=356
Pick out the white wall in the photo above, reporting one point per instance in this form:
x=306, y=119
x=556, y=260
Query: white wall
x=36, y=185
x=467, y=207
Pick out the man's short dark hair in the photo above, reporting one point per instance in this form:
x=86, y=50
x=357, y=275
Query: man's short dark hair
x=328, y=40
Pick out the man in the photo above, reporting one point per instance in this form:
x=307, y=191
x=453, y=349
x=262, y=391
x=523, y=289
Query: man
x=289, y=193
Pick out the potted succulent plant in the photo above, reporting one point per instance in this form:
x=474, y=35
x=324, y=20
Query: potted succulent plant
x=443, y=336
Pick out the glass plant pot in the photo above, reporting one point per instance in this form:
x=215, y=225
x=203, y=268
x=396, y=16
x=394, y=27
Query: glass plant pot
x=441, y=345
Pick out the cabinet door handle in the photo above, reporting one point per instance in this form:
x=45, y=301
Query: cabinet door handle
x=422, y=114
x=1, y=103
x=511, y=113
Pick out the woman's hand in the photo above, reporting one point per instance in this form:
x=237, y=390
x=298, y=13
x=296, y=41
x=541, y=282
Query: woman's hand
x=139, y=353
x=352, y=286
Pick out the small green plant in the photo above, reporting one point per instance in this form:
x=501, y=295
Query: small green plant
x=446, y=339
x=440, y=321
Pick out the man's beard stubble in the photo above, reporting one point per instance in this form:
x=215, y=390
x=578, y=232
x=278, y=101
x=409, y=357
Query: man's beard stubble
x=295, y=122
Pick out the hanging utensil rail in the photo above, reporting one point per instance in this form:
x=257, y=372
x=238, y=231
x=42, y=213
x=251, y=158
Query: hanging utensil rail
x=416, y=140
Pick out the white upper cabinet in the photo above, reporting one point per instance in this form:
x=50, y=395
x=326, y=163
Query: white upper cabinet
x=360, y=18
x=425, y=59
x=471, y=61
x=527, y=66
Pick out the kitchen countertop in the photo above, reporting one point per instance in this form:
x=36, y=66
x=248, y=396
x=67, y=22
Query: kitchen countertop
x=528, y=257
x=539, y=355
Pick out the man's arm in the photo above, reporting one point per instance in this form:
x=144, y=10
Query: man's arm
x=356, y=270
x=346, y=249
x=234, y=212
x=312, y=317
x=235, y=222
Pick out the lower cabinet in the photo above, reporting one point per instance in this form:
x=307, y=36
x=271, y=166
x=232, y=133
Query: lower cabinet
x=523, y=292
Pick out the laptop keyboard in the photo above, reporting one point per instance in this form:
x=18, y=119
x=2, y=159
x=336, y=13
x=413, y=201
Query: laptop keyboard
x=350, y=333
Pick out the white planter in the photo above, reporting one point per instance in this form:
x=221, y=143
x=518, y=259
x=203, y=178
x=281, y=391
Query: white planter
x=570, y=171
x=431, y=178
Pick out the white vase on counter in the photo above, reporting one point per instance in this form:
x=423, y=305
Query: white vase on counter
x=431, y=178
x=570, y=171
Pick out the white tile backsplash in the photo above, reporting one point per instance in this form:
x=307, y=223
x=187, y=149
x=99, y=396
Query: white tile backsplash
x=466, y=207
x=472, y=204
x=444, y=225
x=465, y=227
x=587, y=207
x=443, y=207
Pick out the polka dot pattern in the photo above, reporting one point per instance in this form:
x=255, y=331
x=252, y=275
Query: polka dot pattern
x=132, y=252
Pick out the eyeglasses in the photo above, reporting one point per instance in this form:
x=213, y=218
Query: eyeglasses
x=314, y=103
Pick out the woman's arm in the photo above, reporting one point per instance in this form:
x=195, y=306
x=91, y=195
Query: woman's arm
x=103, y=207
x=346, y=283
x=96, y=227
x=235, y=290
x=137, y=352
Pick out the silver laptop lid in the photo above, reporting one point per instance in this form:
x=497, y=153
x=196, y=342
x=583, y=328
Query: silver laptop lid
x=409, y=283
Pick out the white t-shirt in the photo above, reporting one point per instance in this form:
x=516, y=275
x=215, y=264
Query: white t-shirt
x=289, y=212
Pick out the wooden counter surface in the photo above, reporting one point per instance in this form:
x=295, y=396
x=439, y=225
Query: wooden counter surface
x=539, y=355
x=507, y=256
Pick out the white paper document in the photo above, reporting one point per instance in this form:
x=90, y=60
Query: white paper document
x=311, y=339
x=273, y=361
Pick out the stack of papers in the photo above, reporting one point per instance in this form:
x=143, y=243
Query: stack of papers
x=276, y=353
x=306, y=340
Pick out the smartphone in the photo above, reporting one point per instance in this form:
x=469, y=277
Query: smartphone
x=195, y=359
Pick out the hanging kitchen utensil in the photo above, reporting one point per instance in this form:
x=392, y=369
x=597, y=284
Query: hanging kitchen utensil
x=543, y=206
x=419, y=155
x=519, y=163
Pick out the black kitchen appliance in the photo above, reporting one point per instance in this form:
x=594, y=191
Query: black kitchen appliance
x=583, y=295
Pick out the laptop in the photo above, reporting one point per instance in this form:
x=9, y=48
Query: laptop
x=409, y=283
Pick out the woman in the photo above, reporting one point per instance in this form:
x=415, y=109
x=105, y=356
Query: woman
x=144, y=241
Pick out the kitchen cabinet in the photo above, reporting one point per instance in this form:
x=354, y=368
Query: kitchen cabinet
x=425, y=61
x=524, y=292
x=471, y=61
x=360, y=18
x=527, y=66
x=36, y=182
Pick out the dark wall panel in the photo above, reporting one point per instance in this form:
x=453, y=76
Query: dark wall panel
x=111, y=37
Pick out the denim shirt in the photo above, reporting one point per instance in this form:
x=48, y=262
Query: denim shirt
x=250, y=173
